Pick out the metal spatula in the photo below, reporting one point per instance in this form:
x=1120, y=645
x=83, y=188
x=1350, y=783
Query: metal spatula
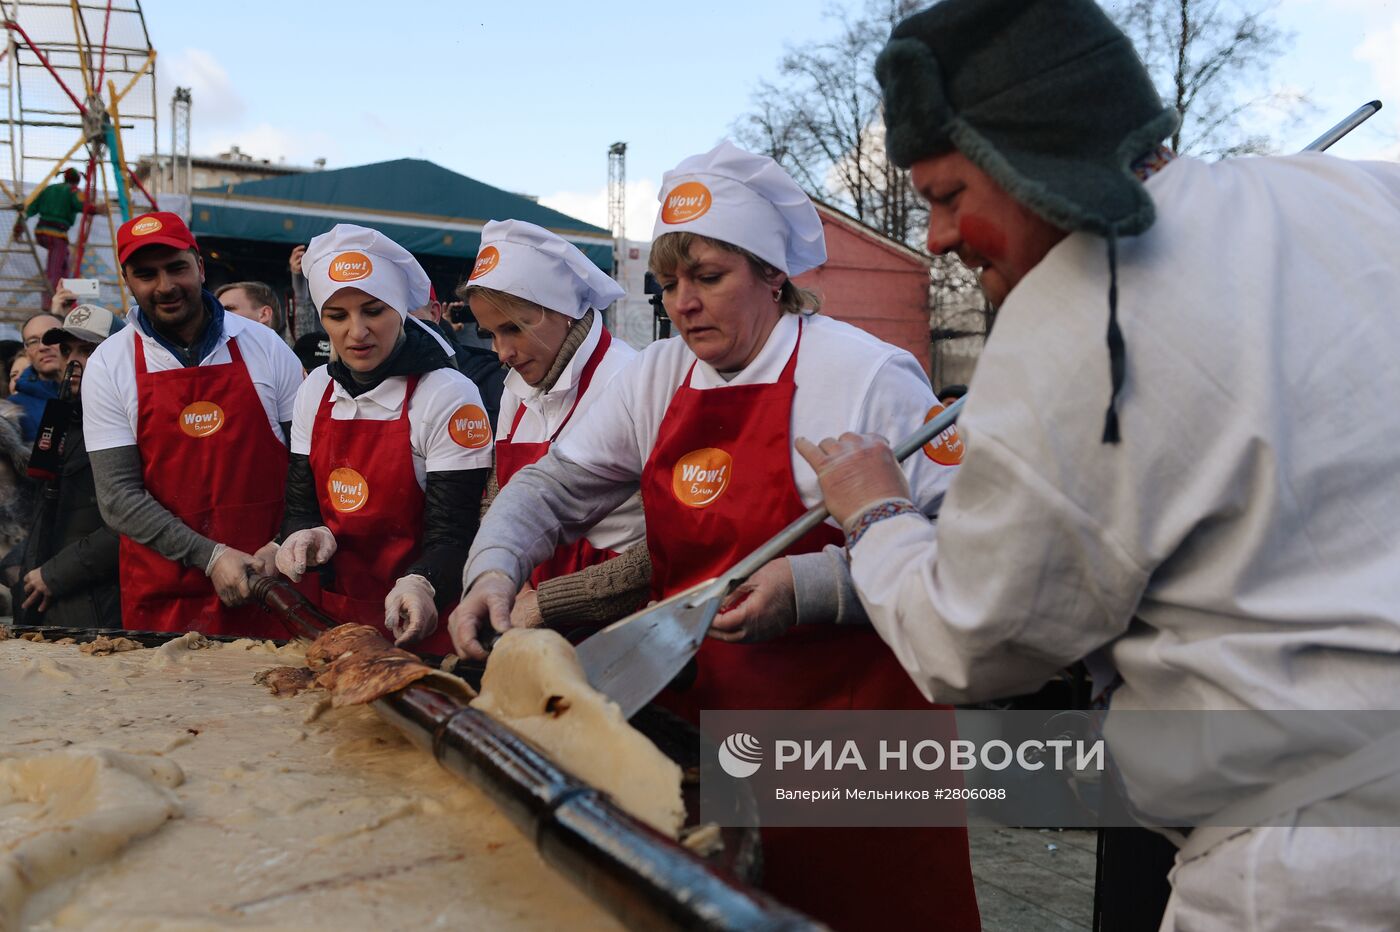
x=631, y=660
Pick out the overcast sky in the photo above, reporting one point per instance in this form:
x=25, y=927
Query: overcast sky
x=528, y=95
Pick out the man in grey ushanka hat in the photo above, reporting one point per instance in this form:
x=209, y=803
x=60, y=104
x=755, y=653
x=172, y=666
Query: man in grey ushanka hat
x=1065, y=128
x=1237, y=549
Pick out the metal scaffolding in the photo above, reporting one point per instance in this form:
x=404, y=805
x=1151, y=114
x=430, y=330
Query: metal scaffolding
x=180, y=169
x=79, y=88
x=617, y=206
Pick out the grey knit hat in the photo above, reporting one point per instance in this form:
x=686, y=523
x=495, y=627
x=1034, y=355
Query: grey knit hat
x=1047, y=97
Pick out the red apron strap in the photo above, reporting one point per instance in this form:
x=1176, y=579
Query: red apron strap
x=140, y=353
x=585, y=379
x=323, y=411
x=519, y=413
x=326, y=404
x=787, y=375
x=790, y=370
x=408, y=391
x=235, y=354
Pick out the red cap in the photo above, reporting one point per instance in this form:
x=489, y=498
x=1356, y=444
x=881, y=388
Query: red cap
x=157, y=228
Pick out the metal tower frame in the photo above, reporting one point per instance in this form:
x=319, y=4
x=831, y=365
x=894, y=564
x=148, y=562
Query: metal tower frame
x=180, y=167
x=617, y=204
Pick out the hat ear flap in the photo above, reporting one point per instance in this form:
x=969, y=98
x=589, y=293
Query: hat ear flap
x=917, y=112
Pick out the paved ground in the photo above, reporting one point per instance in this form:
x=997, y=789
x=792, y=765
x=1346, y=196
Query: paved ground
x=1034, y=880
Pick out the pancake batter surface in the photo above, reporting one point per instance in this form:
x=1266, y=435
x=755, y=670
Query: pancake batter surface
x=162, y=789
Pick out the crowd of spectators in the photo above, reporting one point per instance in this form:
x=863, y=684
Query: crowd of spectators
x=58, y=560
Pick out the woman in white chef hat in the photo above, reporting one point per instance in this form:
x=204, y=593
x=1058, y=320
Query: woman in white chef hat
x=540, y=301
x=703, y=426
x=390, y=448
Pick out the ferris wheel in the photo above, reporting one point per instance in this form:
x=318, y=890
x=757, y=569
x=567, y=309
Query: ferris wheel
x=78, y=92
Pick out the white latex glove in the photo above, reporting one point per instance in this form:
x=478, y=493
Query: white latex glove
x=409, y=611
x=489, y=600
x=855, y=472
x=267, y=559
x=230, y=570
x=762, y=608
x=312, y=547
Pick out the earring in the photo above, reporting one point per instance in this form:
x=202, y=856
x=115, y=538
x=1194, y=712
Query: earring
x=777, y=296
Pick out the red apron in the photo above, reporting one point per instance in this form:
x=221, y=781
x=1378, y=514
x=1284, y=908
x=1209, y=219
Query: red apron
x=371, y=501
x=719, y=484
x=511, y=457
x=209, y=456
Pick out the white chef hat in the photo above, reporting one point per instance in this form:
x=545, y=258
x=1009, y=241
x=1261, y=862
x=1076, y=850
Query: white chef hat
x=745, y=200
x=351, y=256
x=532, y=263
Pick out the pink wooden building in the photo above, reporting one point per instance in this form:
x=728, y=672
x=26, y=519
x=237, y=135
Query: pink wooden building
x=873, y=282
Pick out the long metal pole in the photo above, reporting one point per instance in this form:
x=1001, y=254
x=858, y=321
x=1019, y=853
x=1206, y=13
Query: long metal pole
x=642, y=877
x=817, y=513
x=1359, y=116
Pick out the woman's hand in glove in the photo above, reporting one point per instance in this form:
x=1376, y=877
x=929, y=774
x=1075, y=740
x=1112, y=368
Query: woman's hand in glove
x=311, y=547
x=409, y=611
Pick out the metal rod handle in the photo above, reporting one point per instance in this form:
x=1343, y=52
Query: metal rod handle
x=644, y=879
x=1359, y=116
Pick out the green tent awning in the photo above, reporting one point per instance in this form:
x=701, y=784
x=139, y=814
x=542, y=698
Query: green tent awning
x=426, y=208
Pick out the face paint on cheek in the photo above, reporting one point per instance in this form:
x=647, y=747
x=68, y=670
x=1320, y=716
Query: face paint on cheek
x=983, y=237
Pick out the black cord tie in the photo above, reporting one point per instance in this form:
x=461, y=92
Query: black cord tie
x=1117, y=349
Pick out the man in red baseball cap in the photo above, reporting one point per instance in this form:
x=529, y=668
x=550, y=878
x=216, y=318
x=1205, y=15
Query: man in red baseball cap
x=161, y=264
x=159, y=227
x=186, y=416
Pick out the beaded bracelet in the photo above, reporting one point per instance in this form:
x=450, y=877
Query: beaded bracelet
x=889, y=508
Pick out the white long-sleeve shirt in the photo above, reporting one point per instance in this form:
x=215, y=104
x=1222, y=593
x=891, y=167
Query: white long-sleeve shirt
x=1240, y=549
x=846, y=380
x=442, y=397
x=545, y=413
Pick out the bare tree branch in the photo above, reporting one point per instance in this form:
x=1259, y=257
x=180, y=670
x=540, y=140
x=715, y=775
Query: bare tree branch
x=822, y=121
x=1211, y=60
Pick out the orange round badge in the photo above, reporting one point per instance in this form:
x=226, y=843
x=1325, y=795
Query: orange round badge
x=201, y=419
x=145, y=227
x=486, y=260
x=947, y=448
x=350, y=267
x=469, y=427
x=701, y=477
x=686, y=202
x=347, y=489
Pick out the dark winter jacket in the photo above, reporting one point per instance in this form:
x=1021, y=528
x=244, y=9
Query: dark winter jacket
x=17, y=490
x=31, y=394
x=484, y=368
x=452, y=498
x=76, y=551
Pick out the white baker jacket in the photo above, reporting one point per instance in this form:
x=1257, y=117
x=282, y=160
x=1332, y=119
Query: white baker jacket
x=441, y=396
x=846, y=380
x=1240, y=548
x=545, y=411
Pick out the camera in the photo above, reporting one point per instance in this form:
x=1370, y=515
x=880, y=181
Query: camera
x=660, y=322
